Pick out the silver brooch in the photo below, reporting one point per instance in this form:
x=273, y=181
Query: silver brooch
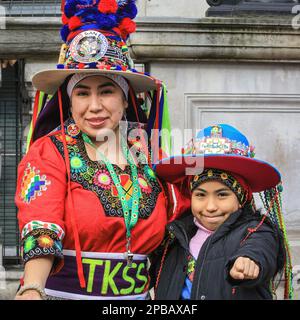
x=88, y=46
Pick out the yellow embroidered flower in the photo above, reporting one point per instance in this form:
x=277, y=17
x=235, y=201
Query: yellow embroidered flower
x=45, y=241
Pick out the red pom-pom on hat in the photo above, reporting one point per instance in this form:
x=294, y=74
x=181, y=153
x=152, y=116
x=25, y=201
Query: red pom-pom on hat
x=75, y=23
x=108, y=6
x=126, y=27
x=64, y=19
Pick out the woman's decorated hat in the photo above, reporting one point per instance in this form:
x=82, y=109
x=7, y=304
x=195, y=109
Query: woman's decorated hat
x=221, y=147
x=94, y=33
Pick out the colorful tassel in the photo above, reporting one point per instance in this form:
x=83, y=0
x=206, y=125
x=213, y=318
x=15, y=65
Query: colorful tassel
x=37, y=107
x=272, y=202
x=70, y=198
x=166, y=141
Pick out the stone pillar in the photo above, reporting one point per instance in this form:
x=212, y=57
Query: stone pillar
x=239, y=7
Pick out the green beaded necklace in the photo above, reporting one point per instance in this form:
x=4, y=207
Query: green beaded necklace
x=131, y=215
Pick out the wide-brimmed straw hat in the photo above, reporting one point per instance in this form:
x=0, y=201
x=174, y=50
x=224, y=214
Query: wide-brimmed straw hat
x=94, y=34
x=221, y=147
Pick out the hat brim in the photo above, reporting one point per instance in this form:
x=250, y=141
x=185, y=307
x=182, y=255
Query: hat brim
x=49, y=81
x=260, y=175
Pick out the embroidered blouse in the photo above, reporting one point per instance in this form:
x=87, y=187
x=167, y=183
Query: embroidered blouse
x=45, y=216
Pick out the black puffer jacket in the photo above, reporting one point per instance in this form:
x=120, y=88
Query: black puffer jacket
x=217, y=255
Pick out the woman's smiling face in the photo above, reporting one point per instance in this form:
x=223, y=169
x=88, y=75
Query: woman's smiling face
x=97, y=105
x=212, y=203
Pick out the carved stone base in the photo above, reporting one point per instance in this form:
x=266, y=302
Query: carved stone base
x=252, y=8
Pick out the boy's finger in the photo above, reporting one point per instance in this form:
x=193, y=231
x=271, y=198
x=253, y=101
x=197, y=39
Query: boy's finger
x=239, y=264
x=247, y=264
x=256, y=271
x=250, y=273
x=253, y=271
x=236, y=274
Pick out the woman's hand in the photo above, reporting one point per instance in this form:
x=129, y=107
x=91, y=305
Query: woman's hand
x=29, y=295
x=35, y=276
x=244, y=268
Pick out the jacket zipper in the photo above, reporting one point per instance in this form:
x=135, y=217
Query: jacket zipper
x=200, y=273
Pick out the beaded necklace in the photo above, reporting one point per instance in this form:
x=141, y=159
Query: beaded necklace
x=131, y=215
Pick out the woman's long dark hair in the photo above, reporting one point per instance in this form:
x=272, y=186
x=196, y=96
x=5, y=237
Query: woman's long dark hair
x=48, y=119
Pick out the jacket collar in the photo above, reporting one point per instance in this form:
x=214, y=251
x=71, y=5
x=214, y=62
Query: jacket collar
x=184, y=228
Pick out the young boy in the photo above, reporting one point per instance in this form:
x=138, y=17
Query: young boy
x=222, y=247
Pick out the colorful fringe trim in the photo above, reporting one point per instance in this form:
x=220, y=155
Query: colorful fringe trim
x=272, y=202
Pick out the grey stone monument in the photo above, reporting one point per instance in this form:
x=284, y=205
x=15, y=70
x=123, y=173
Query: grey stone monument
x=249, y=7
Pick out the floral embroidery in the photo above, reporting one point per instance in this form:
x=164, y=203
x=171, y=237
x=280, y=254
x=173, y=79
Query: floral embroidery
x=45, y=242
x=69, y=139
x=35, y=224
x=103, y=179
x=33, y=184
x=144, y=184
x=191, y=267
x=94, y=176
x=41, y=242
x=150, y=174
x=77, y=163
x=29, y=244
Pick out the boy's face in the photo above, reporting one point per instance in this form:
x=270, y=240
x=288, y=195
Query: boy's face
x=212, y=203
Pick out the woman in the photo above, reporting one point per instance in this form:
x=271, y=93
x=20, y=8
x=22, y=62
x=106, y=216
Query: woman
x=222, y=247
x=90, y=211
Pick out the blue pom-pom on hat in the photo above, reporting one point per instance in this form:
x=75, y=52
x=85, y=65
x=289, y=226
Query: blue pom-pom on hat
x=106, y=21
x=64, y=32
x=130, y=11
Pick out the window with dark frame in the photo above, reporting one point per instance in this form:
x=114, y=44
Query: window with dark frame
x=14, y=117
